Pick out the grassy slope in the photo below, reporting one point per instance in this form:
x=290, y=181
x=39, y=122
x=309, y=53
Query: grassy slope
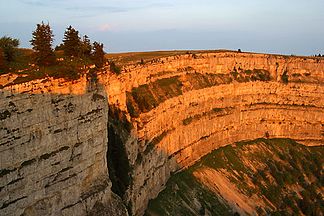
x=285, y=175
x=25, y=68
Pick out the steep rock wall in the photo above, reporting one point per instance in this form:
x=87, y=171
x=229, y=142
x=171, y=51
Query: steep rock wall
x=53, y=150
x=198, y=122
x=185, y=125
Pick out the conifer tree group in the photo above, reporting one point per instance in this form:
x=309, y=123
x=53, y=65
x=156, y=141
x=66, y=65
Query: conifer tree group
x=73, y=46
x=76, y=53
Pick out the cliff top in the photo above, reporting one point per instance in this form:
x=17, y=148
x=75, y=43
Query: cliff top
x=129, y=61
x=129, y=58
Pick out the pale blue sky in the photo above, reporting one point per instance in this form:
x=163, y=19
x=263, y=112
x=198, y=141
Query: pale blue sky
x=273, y=26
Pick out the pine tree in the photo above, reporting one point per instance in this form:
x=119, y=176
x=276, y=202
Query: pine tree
x=9, y=48
x=2, y=60
x=86, y=46
x=42, y=44
x=71, y=43
x=59, y=47
x=98, y=54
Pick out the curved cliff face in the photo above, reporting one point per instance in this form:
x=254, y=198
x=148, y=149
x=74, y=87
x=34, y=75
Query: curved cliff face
x=183, y=107
x=53, y=150
x=309, y=70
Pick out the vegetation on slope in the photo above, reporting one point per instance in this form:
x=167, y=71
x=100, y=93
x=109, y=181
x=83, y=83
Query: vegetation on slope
x=71, y=59
x=148, y=96
x=278, y=176
x=185, y=195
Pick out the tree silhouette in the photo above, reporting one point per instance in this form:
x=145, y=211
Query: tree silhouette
x=2, y=60
x=98, y=54
x=86, y=46
x=9, y=48
x=42, y=44
x=71, y=43
x=59, y=47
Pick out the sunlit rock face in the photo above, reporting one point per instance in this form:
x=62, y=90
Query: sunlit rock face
x=183, y=107
x=78, y=148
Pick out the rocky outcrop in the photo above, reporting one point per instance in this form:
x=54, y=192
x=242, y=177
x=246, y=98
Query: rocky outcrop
x=53, y=150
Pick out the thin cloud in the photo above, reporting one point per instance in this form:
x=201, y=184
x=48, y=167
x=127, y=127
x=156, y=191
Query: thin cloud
x=104, y=27
x=43, y=3
x=118, y=9
x=99, y=8
x=34, y=3
x=86, y=7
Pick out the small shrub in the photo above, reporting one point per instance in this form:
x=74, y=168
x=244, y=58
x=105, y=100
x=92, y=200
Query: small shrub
x=234, y=74
x=115, y=68
x=131, y=109
x=284, y=77
x=249, y=72
x=187, y=121
x=216, y=109
x=67, y=71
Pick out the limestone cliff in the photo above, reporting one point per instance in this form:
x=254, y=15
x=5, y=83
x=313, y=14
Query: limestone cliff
x=163, y=116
